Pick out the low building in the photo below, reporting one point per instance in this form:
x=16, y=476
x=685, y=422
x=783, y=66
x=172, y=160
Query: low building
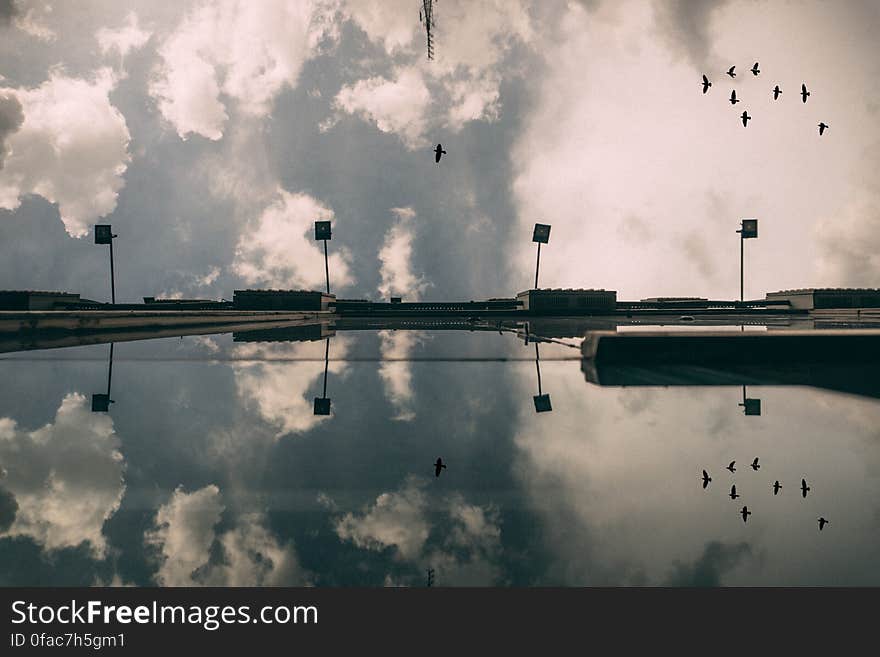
x=828, y=298
x=36, y=300
x=567, y=301
x=281, y=300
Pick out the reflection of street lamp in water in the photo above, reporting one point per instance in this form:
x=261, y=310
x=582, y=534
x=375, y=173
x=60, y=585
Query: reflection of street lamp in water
x=750, y=406
x=322, y=403
x=100, y=401
x=542, y=401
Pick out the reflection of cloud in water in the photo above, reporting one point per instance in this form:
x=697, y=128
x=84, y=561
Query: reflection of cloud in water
x=66, y=476
x=614, y=477
x=278, y=384
x=396, y=375
x=462, y=542
x=193, y=552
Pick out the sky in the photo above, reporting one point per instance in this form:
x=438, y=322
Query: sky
x=211, y=134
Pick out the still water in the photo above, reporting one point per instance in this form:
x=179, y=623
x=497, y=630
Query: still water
x=212, y=468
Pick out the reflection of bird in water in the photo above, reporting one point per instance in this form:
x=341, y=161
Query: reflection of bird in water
x=755, y=465
x=822, y=127
x=730, y=72
x=745, y=117
x=438, y=153
x=776, y=487
x=706, y=478
x=733, y=99
x=822, y=523
x=438, y=466
x=776, y=92
x=804, y=487
x=730, y=467
x=804, y=92
x=733, y=494
x=755, y=69
x=706, y=84
x=745, y=513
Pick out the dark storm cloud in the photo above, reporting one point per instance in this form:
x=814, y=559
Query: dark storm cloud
x=8, y=509
x=8, y=11
x=716, y=560
x=11, y=118
x=685, y=24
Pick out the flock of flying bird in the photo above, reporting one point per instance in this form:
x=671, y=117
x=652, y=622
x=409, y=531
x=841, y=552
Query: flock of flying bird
x=744, y=512
x=776, y=93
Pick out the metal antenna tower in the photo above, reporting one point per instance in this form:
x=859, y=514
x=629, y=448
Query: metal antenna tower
x=426, y=17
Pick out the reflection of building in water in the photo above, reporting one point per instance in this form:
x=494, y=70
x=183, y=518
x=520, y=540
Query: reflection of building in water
x=100, y=401
x=301, y=333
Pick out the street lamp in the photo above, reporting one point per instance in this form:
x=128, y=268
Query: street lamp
x=542, y=401
x=748, y=229
x=104, y=235
x=100, y=401
x=541, y=235
x=750, y=406
x=322, y=233
x=322, y=403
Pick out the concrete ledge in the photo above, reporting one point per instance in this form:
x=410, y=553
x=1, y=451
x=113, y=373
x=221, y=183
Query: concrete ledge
x=711, y=347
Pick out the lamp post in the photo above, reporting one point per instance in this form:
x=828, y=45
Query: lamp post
x=750, y=406
x=322, y=403
x=104, y=235
x=542, y=401
x=748, y=229
x=541, y=235
x=322, y=233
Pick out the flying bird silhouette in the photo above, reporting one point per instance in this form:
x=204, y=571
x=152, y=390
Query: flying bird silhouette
x=822, y=127
x=733, y=99
x=438, y=466
x=438, y=153
x=804, y=487
x=804, y=92
x=776, y=487
x=755, y=69
x=745, y=513
x=822, y=523
x=755, y=465
x=706, y=478
x=730, y=72
x=776, y=92
x=706, y=84
x=745, y=117
x=733, y=493
x=730, y=466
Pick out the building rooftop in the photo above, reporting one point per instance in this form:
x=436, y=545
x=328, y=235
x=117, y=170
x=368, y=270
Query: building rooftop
x=810, y=290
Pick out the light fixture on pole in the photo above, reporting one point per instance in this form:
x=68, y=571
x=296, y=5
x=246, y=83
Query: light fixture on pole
x=748, y=229
x=100, y=401
x=541, y=235
x=542, y=401
x=322, y=233
x=750, y=406
x=322, y=403
x=104, y=235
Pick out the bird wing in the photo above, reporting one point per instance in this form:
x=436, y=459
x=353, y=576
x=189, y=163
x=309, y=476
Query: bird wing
x=705, y=80
x=730, y=70
x=705, y=474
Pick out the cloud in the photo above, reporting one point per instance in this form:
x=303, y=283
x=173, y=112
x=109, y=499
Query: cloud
x=185, y=536
x=246, y=52
x=396, y=258
x=71, y=149
x=123, y=39
x=11, y=118
x=279, y=386
x=687, y=27
x=396, y=372
x=462, y=83
x=8, y=11
x=279, y=249
x=462, y=544
x=717, y=559
x=67, y=477
x=8, y=509
x=398, y=105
